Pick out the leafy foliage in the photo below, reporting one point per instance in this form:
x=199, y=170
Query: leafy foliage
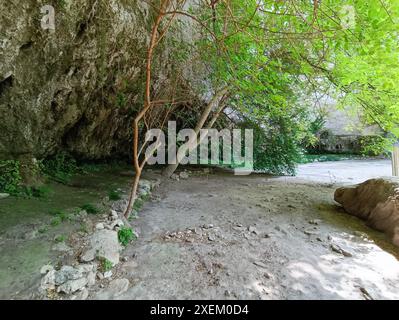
x=374, y=145
x=275, y=150
x=106, y=265
x=271, y=53
x=60, y=168
x=114, y=195
x=10, y=177
x=90, y=209
x=126, y=235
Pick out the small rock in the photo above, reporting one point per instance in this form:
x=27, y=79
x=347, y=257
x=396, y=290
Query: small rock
x=211, y=237
x=253, y=230
x=359, y=234
x=125, y=259
x=61, y=247
x=260, y=264
x=4, y=195
x=116, y=223
x=100, y=276
x=82, y=295
x=30, y=235
x=48, y=281
x=72, y=286
x=114, y=214
x=183, y=175
x=315, y=222
x=175, y=177
x=336, y=248
x=310, y=232
x=91, y=279
x=99, y=226
x=88, y=256
x=84, y=268
x=278, y=228
x=67, y=273
x=46, y=268
x=365, y=293
x=82, y=214
x=107, y=274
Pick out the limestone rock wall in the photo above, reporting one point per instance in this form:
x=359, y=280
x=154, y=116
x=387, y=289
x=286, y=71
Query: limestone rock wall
x=78, y=88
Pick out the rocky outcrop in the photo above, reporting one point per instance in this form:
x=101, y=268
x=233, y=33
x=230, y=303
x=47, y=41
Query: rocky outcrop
x=77, y=88
x=375, y=201
x=104, y=244
x=99, y=254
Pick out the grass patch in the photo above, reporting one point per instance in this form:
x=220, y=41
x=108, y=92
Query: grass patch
x=83, y=228
x=114, y=195
x=62, y=215
x=310, y=158
x=59, y=217
x=60, y=238
x=41, y=192
x=90, y=209
x=55, y=221
x=43, y=230
x=126, y=235
x=106, y=265
x=138, y=204
x=59, y=168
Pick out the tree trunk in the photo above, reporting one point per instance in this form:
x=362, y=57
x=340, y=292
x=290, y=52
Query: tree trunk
x=171, y=168
x=395, y=160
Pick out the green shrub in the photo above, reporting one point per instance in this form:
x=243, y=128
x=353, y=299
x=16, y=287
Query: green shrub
x=55, y=221
x=10, y=177
x=41, y=192
x=60, y=168
x=90, y=209
x=106, y=265
x=125, y=235
x=374, y=145
x=63, y=216
x=138, y=204
x=43, y=229
x=276, y=149
x=114, y=195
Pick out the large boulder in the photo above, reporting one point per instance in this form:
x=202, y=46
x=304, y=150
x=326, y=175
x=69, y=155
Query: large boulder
x=376, y=201
x=104, y=244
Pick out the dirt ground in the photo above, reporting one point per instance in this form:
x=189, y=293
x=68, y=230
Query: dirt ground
x=220, y=236
x=256, y=237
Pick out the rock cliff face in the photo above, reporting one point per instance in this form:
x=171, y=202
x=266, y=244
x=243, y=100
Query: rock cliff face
x=77, y=88
x=376, y=201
